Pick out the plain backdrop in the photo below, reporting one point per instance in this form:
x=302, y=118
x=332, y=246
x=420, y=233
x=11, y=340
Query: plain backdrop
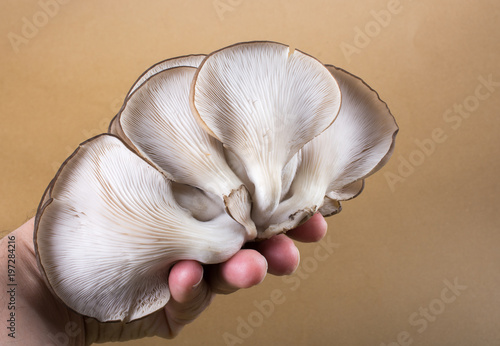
x=412, y=261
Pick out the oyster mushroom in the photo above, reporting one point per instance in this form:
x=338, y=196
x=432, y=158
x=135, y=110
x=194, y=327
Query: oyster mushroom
x=156, y=120
x=264, y=103
x=335, y=163
x=202, y=204
x=206, y=154
x=109, y=231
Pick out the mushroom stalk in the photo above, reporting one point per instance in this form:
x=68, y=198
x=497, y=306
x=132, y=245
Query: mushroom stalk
x=268, y=187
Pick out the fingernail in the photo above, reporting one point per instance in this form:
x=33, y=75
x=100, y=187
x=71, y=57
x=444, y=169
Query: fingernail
x=298, y=261
x=196, y=285
x=265, y=272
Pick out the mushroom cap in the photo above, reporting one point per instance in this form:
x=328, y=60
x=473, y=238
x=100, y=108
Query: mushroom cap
x=110, y=229
x=334, y=164
x=192, y=60
x=264, y=103
x=156, y=120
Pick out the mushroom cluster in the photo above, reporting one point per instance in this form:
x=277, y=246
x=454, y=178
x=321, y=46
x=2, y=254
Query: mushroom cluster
x=206, y=153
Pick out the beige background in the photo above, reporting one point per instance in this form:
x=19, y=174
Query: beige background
x=426, y=218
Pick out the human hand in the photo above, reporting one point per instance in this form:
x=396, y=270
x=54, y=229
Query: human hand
x=42, y=318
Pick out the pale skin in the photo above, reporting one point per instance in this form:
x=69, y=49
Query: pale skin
x=40, y=318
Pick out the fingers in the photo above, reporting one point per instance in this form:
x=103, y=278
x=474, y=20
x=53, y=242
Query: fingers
x=280, y=253
x=184, y=278
x=191, y=290
x=311, y=231
x=245, y=269
x=190, y=294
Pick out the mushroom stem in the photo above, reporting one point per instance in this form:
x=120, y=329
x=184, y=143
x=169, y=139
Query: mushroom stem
x=267, y=194
x=301, y=205
x=237, y=206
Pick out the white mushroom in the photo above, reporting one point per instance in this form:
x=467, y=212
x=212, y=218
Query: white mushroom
x=202, y=204
x=206, y=154
x=110, y=229
x=264, y=103
x=335, y=163
x=156, y=119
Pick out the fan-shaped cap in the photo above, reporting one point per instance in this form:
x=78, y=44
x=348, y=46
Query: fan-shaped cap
x=110, y=229
x=157, y=120
x=264, y=103
x=192, y=60
x=335, y=163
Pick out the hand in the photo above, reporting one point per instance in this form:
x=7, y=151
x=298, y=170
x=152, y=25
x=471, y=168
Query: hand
x=40, y=318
